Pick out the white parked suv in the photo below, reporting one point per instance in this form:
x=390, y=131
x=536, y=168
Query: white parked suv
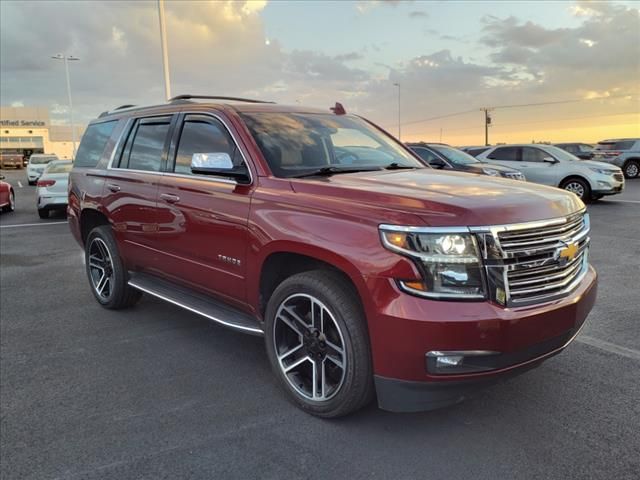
x=550, y=165
x=51, y=193
x=36, y=165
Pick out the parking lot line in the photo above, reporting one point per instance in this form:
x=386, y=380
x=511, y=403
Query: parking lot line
x=19, y=183
x=626, y=201
x=33, y=224
x=610, y=347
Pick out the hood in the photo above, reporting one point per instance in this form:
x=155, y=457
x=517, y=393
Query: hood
x=444, y=198
x=478, y=167
x=596, y=164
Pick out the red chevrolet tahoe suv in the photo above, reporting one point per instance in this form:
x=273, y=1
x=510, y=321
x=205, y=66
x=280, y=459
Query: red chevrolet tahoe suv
x=368, y=273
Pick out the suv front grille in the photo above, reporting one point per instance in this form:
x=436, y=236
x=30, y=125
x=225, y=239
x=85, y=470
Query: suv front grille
x=535, y=262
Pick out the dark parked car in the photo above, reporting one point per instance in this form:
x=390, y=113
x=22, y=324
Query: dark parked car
x=622, y=152
x=583, y=151
x=439, y=155
x=475, y=151
x=366, y=274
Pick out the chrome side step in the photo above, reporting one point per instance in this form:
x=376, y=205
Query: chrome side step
x=196, y=302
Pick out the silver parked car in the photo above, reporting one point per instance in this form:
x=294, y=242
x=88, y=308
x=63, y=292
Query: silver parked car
x=36, y=165
x=622, y=152
x=51, y=193
x=553, y=166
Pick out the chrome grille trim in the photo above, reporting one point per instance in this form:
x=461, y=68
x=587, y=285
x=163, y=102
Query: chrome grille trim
x=523, y=260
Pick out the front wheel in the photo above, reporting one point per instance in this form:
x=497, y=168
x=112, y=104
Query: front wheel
x=579, y=187
x=631, y=169
x=318, y=344
x=43, y=213
x=106, y=272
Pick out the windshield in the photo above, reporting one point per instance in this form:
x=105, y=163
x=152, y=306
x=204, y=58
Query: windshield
x=59, y=167
x=38, y=160
x=454, y=155
x=560, y=154
x=297, y=143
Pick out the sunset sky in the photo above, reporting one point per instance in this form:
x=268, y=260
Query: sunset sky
x=448, y=57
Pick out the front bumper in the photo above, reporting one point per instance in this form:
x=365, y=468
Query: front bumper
x=408, y=327
x=607, y=184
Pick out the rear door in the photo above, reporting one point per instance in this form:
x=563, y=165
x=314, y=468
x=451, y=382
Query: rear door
x=130, y=188
x=203, y=219
x=507, y=156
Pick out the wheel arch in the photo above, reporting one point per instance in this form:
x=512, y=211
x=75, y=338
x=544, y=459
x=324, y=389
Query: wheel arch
x=91, y=218
x=286, y=259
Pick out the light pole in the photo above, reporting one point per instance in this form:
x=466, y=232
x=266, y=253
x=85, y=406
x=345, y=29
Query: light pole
x=165, y=53
x=67, y=59
x=399, y=129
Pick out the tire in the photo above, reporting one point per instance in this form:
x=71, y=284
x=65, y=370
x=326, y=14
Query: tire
x=30, y=182
x=631, y=169
x=12, y=203
x=343, y=332
x=43, y=213
x=102, y=259
x=578, y=186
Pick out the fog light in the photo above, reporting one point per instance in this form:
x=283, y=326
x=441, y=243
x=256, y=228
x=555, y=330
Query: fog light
x=465, y=361
x=604, y=184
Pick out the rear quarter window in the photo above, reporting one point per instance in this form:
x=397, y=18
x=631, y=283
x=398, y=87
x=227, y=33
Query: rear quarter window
x=93, y=143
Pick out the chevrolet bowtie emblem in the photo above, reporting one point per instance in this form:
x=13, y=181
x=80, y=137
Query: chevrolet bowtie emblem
x=569, y=252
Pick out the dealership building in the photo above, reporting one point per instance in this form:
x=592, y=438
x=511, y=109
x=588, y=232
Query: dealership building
x=27, y=130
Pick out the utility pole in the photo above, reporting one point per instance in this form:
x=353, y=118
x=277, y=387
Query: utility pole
x=165, y=54
x=487, y=122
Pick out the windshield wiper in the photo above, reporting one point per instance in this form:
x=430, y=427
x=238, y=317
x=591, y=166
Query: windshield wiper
x=328, y=171
x=397, y=166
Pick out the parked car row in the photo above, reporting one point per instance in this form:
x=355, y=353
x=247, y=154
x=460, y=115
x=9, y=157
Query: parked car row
x=368, y=273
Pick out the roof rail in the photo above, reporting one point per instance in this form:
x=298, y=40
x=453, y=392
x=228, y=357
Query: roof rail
x=123, y=106
x=214, y=97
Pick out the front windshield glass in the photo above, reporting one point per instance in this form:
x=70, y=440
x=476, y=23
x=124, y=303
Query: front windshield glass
x=38, y=160
x=560, y=154
x=454, y=155
x=59, y=167
x=297, y=143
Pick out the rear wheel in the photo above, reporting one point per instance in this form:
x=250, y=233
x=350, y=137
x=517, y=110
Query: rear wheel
x=43, y=213
x=631, y=169
x=106, y=272
x=579, y=187
x=318, y=345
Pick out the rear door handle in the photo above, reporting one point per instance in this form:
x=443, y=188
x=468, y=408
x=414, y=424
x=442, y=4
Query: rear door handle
x=169, y=198
x=113, y=187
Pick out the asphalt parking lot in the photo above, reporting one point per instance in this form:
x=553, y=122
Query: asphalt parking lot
x=156, y=392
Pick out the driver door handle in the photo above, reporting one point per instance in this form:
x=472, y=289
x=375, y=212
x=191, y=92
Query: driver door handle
x=113, y=187
x=170, y=198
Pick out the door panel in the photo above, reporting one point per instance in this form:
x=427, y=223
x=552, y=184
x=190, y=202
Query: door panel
x=203, y=219
x=536, y=169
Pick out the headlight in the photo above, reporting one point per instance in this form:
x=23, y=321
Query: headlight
x=449, y=262
x=601, y=171
x=491, y=171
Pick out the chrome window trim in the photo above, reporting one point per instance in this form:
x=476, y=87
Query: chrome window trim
x=210, y=178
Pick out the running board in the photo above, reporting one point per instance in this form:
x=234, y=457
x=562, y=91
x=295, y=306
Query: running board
x=196, y=302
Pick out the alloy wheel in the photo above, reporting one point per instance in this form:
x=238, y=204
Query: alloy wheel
x=632, y=170
x=575, y=187
x=101, y=268
x=310, y=347
x=12, y=202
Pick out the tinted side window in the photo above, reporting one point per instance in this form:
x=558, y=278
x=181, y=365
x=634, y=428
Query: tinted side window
x=93, y=142
x=147, y=145
x=570, y=148
x=205, y=135
x=531, y=154
x=626, y=145
x=505, y=153
x=424, y=154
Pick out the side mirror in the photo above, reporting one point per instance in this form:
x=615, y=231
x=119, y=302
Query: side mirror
x=550, y=160
x=437, y=163
x=211, y=163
